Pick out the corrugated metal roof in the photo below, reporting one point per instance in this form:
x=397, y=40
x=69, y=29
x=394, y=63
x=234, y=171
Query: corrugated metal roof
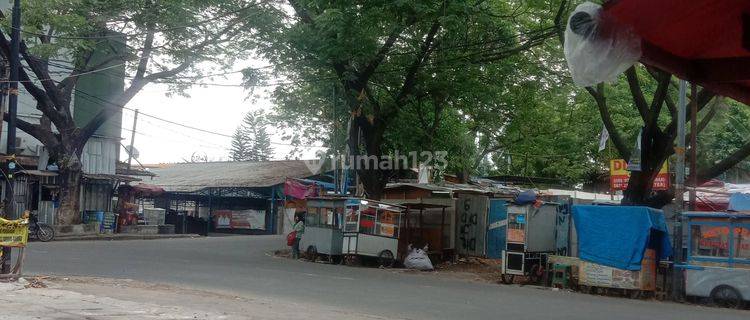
x=190, y=177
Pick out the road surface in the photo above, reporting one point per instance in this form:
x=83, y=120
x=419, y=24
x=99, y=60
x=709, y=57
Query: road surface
x=243, y=265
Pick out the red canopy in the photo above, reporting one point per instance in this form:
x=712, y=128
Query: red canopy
x=703, y=41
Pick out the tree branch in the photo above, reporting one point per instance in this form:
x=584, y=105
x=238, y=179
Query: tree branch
x=662, y=90
x=736, y=157
x=44, y=136
x=709, y=115
x=411, y=74
x=367, y=72
x=635, y=90
x=44, y=103
x=301, y=12
x=614, y=134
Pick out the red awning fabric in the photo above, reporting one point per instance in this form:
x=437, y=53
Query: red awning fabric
x=702, y=41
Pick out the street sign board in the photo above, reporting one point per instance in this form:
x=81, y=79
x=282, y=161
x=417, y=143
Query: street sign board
x=619, y=176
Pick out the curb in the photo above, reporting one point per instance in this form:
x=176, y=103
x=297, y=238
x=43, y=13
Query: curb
x=125, y=237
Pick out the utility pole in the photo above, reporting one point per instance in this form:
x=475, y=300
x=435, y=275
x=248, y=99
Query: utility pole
x=132, y=140
x=679, y=191
x=15, y=43
x=693, y=144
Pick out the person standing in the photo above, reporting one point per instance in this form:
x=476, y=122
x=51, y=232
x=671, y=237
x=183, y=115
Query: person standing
x=299, y=230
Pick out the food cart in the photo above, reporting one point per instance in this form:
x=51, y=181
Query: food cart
x=530, y=239
x=718, y=257
x=372, y=230
x=323, y=222
x=618, y=249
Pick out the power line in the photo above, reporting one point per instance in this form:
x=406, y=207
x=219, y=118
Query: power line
x=85, y=94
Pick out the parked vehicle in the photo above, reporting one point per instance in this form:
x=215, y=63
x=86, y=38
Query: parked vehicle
x=41, y=231
x=373, y=231
x=718, y=258
x=323, y=224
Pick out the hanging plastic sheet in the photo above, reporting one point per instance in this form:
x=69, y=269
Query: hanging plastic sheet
x=597, y=49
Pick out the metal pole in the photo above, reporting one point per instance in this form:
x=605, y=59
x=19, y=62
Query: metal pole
x=693, y=144
x=132, y=140
x=679, y=190
x=15, y=43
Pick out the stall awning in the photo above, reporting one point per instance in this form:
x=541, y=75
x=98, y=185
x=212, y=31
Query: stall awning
x=703, y=41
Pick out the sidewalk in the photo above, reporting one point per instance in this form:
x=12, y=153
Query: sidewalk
x=123, y=299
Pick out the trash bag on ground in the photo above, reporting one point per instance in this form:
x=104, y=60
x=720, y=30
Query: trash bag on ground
x=418, y=259
x=597, y=48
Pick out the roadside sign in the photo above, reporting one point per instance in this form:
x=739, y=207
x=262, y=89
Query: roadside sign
x=619, y=176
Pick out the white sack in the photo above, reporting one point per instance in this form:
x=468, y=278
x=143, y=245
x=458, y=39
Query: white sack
x=418, y=259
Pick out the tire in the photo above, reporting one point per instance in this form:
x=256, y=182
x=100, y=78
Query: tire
x=386, y=259
x=336, y=259
x=44, y=232
x=351, y=260
x=507, y=278
x=727, y=297
x=312, y=253
x=535, y=274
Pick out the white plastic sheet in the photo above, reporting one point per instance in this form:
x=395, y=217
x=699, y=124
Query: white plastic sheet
x=596, y=49
x=418, y=259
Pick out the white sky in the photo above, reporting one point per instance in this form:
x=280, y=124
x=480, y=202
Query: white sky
x=213, y=108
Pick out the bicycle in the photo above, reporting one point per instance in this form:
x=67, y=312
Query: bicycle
x=41, y=231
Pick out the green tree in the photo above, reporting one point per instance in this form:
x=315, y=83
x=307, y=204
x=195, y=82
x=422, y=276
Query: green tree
x=385, y=61
x=251, y=141
x=175, y=41
x=239, y=146
x=646, y=98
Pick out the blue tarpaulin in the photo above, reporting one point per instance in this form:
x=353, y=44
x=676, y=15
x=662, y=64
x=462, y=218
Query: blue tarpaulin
x=617, y=236
x=739, y=202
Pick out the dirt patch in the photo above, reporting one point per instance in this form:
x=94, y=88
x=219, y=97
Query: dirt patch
x=476, y=269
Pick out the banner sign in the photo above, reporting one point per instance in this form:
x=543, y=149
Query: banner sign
x=14, y=233
x=240, y=219
x=619, y=176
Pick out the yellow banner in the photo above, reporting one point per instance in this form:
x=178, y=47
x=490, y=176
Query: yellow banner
x=618, y=167
x=14, y=233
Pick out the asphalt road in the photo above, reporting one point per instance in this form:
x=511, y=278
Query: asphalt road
x=243, y=265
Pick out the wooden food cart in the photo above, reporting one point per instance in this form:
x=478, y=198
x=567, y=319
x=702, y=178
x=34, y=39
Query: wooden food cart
x=323, y=226
x=530, y=239
x=372, y=230
x=718, y=257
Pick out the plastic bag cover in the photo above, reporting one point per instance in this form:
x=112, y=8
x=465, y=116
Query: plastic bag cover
x=418, y=259
x=597, y=49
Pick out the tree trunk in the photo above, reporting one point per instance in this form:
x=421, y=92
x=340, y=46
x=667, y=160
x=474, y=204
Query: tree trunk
x=656, y=147
x=70, y=193
x=365, y=139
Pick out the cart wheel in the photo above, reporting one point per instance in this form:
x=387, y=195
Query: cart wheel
x=351, y=260
x=507, y=278
x=336, y=259
x=312, y=253
x=588, y=290
x=385, y=258
x=535, y=274
x=727, y=297
x=635, y=294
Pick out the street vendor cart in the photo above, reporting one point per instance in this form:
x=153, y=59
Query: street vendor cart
x=373, y=230
x=323, y=224
x=718, y=257
x=618, y=249
x=530, y=239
